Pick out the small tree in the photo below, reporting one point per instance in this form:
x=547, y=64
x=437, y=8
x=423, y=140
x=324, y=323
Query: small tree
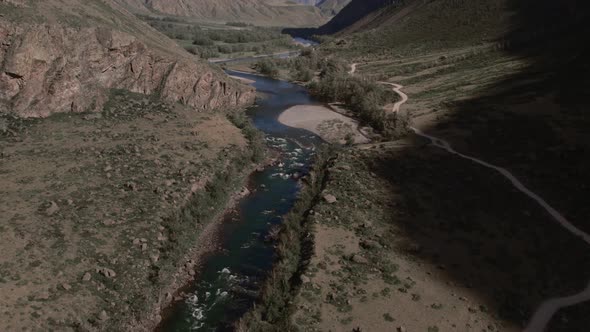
x=267, y=67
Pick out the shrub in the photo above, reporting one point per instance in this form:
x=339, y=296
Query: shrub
x=202, y=41
x=267, y=67
x=192, y=50
x=254, y=136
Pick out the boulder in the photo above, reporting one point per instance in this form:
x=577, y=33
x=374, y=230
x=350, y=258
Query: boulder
x=359, y=259
x=52, y=209
x=330, y=199
x=103, y=316
x=305, y=279
x=106, y=272
x=370, y=244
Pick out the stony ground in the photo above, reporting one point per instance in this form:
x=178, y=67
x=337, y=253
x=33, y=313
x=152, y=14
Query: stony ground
x=85, y=202
x=422, y=241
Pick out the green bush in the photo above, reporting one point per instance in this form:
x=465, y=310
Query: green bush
x=267, y=67
x=254, y=136
x=192, y=50
x=202, y=41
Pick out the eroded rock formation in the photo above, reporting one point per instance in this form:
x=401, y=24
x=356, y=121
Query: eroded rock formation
x=48, y=68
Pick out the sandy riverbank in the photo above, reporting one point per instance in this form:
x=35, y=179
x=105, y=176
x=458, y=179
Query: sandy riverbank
x=242, y=79
x=331, y=126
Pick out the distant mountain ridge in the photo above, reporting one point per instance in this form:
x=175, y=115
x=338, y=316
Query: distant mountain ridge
x=259, y=12
x=328, y=7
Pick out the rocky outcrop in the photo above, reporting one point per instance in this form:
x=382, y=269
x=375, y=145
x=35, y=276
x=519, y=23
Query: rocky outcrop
x=50, y=68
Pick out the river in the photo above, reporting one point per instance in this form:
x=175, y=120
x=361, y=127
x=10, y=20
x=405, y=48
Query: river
x=230, y=278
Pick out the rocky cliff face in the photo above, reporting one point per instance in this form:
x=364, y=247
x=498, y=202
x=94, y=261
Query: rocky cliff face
x=49, y=68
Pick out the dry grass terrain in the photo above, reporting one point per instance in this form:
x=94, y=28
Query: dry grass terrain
x=89, y=209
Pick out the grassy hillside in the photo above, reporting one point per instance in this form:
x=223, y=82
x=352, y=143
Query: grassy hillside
x=420, y=25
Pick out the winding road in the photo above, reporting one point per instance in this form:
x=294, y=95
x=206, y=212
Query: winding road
x=397, y=89
x=548, y=308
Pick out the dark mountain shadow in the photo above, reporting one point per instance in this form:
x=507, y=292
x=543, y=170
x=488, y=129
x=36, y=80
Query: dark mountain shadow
x=469, y=219
x=485, y=235
x=535, y=122
x=554, y=35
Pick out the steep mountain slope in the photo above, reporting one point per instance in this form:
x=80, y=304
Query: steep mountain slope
x=260, y=12
x=387, y=24
x=383, y=23
x=63, y=56
x=354, y=12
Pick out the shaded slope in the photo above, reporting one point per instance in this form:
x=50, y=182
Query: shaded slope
x=384, y=24
x=332, y=7
x=353, y=12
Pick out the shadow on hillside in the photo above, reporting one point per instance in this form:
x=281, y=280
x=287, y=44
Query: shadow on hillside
x=536, y=121
x=469, y=219
x=554, y=35
x=487, y=236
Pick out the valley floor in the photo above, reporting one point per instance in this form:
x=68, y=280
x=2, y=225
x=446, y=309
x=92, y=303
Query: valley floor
x=422, y=240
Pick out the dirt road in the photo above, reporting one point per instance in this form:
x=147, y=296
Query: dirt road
x=548, y=308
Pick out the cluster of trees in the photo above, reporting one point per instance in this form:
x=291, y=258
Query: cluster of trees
x=238, y=24
x=211, y=50
x=301, y=68
x=365, y=98
x=328, y=80
x=207, y=37
x=268, y=46
x=267, y=67
x=203, y=52
x=253, y=35
x=209, y=43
